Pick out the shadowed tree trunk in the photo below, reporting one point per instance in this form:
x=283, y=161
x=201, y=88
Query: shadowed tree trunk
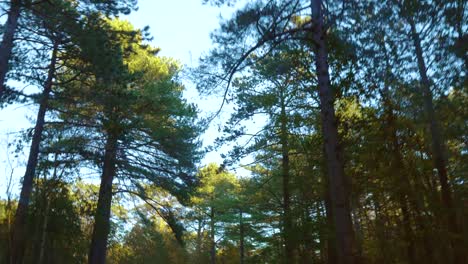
x=199, y=236
x=289, y=246
x=437, y=144
x=26, y=189
x=339, y=186
x=405, y=193
x=212, y=236
x=241, y=238
x=7, y=42
x=45, y=221
x=101, y=228
x=330, y=233
x=43, y=237
x=322, y=235
x=398, y=167
x=381, y=230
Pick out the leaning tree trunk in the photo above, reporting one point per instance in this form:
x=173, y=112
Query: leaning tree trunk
x=437, y=147
x=339, y=186
x=101, y=228
x=7, y=42
x=19, y=226
x=289, y=247
x=405, y=193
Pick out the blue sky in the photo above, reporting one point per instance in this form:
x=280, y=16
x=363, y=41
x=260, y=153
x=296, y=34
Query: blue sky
x=181, y=28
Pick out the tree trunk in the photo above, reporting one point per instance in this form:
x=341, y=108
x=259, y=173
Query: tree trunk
x=289, y=247
x=101, y=229
x=9, y=219
x=45, y=221
x=307, y=252
x=331, y=244
x=241, y=238
x=7, y=42
x=42, y=242
x=408, y=231
x=22, y=209
x=380, y=228
x=199, y=237
x=321, y=234
x=212, y=236
x=439, y=160
x=398, y=167
x=359, y=234
x=339, y=186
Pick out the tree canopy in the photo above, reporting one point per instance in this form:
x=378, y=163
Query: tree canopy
x=345, y=140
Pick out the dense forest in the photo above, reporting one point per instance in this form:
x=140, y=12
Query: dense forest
x=349, y=120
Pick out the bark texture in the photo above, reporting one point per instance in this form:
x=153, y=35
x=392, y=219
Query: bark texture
x=399, y=167
x=289, y=246
x=440, y=162
x=339, y=186
x=7, y=42
x=98, y=249
x=241, y=238
x=19, y=226
x=212, y=236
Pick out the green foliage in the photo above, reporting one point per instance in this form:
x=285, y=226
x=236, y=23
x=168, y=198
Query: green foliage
x=149, y=241
x=154, y=124
x=111, y=84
